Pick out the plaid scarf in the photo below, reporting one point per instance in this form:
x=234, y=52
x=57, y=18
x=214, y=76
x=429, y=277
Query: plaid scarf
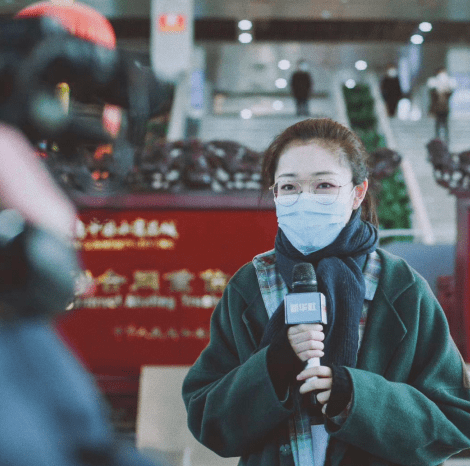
x=273, y=289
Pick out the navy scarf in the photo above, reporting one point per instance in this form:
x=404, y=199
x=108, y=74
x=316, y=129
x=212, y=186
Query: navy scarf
x=338, y=267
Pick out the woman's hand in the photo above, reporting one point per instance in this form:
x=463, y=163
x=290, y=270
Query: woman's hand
x=307, y=340
x=317, y=378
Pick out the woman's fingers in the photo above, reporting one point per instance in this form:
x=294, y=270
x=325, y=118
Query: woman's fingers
x=324, y=397
x=296, y=330
x=306, y=340
x=306, y=355
x=316, y=384
x=316, y=371
x=317, y=378
x=308, y=345
x=306, y=336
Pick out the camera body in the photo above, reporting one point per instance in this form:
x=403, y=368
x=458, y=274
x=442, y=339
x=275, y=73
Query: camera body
x=37, y=53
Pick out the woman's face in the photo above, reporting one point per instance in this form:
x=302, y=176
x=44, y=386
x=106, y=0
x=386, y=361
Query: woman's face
x=312, y=161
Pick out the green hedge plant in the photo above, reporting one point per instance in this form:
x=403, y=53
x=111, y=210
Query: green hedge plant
x=393, y=203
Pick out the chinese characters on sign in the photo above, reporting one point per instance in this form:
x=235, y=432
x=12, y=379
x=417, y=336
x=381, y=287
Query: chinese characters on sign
x=131, y=332
x=148, y=297
x=139, y=234
x=111, y=283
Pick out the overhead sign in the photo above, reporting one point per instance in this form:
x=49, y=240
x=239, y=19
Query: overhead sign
x=171, y=37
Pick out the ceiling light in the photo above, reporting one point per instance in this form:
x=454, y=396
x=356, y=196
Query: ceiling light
x=284, y=64
x=361, y=65
x=350, y=84
x=281, y=83
x=278, y=105
x=425, y=26
x=417, y=39
x=246, y=113
x=245, y=37
x=245, y=24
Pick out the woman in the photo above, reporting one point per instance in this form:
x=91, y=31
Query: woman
x=392, y=386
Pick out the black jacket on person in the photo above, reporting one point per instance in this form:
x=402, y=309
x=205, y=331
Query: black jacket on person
x=301, y=83
x=391, y=92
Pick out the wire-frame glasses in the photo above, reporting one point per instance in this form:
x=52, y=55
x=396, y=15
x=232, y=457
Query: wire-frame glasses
x=287, y=192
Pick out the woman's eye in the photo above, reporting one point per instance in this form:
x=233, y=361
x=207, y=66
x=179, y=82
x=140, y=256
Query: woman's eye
x=287, y=187
x=325, y=185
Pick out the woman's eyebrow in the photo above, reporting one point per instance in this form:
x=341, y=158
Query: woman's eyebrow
x=293, y=175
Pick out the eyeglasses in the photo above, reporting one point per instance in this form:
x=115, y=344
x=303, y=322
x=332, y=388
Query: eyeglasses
x=287, y=192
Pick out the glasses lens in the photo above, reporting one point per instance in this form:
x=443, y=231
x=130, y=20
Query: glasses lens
x=287, y=192
x=327, y=190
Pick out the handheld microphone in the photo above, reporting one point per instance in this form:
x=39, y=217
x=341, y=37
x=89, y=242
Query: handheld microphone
x=305, y=305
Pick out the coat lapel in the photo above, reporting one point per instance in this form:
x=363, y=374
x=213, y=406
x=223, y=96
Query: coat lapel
x=255, y=318
x=384, y=325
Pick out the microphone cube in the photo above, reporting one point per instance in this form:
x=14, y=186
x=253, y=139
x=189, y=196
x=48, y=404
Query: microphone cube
x=305, y=308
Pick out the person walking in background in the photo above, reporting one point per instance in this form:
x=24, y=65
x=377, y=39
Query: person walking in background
x=301, y=86
x=391, y=89
x=391, y=387
x=441, y=87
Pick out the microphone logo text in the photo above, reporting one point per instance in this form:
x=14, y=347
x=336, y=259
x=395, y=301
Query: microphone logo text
x=302, y=307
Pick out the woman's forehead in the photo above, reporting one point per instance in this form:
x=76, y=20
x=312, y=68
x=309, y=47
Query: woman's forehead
x=315, y=153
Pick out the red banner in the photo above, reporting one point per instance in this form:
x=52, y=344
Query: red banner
x=154, y=278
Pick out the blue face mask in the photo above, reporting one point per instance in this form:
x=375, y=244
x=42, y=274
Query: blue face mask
x=311, y=226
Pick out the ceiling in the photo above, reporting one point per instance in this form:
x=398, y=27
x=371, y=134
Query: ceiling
x=430, y=10
x=377, y=30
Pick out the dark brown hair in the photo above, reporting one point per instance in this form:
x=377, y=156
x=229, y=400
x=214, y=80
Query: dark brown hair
x=335, y=135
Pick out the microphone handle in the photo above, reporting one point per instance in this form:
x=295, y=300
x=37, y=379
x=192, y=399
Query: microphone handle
x=312, y=362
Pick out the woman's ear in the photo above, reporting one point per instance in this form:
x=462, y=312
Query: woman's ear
x=360, y=193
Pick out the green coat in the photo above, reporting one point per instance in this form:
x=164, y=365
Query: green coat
x=411, y=392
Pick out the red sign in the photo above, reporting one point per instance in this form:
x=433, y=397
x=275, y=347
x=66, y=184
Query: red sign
x=155, y=277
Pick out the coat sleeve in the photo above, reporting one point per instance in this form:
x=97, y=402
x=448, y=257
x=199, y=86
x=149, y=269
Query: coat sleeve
x=232, y=405
x=426, y=418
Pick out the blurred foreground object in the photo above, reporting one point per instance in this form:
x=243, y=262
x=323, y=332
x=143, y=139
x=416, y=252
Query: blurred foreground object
x=52, y=413
x=38, y=55
x=78, y=19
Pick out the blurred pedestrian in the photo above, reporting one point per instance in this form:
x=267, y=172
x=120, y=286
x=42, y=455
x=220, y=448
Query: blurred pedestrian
x=441, y=87
x=391, y=89
x=301, y=86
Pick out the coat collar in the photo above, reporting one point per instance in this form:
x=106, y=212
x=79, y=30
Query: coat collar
x=255, y=320
x=396, y=275
x=384, y=323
